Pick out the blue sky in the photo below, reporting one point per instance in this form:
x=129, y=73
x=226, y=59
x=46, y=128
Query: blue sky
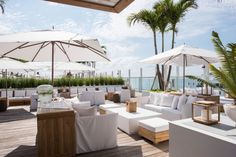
x=125, y=45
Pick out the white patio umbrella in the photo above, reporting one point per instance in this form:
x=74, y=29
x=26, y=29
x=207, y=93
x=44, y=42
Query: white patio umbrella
x=61, y=66
x=11, y=64
x=51, y=45
x=183, y=55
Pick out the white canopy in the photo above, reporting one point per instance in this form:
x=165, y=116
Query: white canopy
x=11, y=64
x=194, y=56
x=60, y=66
x=183, y=55
x=51, y=45
x=37, y=46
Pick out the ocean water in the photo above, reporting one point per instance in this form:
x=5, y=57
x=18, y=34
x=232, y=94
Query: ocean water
x=145, y=83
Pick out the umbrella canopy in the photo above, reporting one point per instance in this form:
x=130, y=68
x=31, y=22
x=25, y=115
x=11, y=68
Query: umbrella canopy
x=51, y=45
x=183, y=55
x=61, y=66
x=11, y=64
x=193, y=56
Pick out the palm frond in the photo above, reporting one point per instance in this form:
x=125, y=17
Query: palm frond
x=227, y=58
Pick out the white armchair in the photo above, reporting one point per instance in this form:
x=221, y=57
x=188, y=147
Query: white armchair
x=95, y=133
x=87, y=96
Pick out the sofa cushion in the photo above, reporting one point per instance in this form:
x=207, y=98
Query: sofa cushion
x=19, y=93
x=158, y=97
x=187, y=107
x=171, y=114
x=83, y=112
x=175, y=102
x=182, y=101
x=152, y=98
x=166, y=100
x=155, y=124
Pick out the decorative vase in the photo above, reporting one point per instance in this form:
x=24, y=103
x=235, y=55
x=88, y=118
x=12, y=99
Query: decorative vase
x=230, y=111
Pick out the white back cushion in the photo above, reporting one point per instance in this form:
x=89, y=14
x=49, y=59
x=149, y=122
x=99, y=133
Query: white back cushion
x=73, y=90
x=19, y=93
x=187, y=108
x=30, y=92
x=158, y=97
x=9, y=93
x=182, y=101
x=152, y=98
x=175, y=102
x=166, y=100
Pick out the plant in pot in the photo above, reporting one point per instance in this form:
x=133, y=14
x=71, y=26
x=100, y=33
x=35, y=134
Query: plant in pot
x=226, y=74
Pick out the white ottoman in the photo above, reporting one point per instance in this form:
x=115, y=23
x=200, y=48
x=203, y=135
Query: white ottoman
x=154, y=129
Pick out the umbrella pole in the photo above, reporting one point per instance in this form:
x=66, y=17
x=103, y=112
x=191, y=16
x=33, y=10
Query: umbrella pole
x=6, y=86
x=184, y=62
x=53, y=42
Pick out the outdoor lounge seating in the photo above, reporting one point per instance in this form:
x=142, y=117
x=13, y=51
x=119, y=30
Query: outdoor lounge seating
x=96, y=132
x=172, y=107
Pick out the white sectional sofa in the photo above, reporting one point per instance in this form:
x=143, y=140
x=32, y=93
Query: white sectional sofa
x=172, y=107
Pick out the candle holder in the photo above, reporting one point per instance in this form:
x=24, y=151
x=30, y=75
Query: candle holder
x=131, y=106
x=206, y=112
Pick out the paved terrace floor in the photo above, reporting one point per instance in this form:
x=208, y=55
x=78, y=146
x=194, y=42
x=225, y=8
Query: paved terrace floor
x=18, y=128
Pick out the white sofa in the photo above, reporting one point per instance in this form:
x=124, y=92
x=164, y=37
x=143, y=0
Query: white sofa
x=171, y=107
x=94, y=133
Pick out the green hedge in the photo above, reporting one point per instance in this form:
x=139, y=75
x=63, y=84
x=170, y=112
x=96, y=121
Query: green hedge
x=60, y=82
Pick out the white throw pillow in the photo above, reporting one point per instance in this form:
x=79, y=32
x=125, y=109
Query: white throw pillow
x=187, y=108
x=175, y=102
x=152, y=98
x=182, y=101
x=157, y=99
x=166, y=100
x=83, y=112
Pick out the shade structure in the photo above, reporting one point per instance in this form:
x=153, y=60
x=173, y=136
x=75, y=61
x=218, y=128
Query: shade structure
x=183, y=55
x=51, y=45
x=105, y=5
x=61, y=66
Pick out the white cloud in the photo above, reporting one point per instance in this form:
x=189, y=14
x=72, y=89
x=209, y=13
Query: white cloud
x=115, y=26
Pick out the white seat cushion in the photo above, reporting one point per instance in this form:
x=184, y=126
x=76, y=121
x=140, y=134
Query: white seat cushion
x=155, y=124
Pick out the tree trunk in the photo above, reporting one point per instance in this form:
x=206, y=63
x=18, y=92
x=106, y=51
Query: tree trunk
x=163, y=66
x=170, y=67
x=158, y=73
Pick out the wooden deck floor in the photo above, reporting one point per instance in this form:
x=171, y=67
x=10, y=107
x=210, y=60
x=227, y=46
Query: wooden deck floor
x=18, y=134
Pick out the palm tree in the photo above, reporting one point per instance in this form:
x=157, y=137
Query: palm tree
x=162, y=26
x=150, y=19
x=175, y=12
x=226, y=74
x=2, y=3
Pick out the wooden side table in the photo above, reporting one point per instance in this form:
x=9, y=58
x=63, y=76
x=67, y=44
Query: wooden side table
x=56, y=133
x=206, y=107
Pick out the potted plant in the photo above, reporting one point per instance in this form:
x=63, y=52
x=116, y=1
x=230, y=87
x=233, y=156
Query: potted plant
x=226, y=73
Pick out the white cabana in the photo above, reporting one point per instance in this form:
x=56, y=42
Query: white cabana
x=183, y=55
x=51, y=45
